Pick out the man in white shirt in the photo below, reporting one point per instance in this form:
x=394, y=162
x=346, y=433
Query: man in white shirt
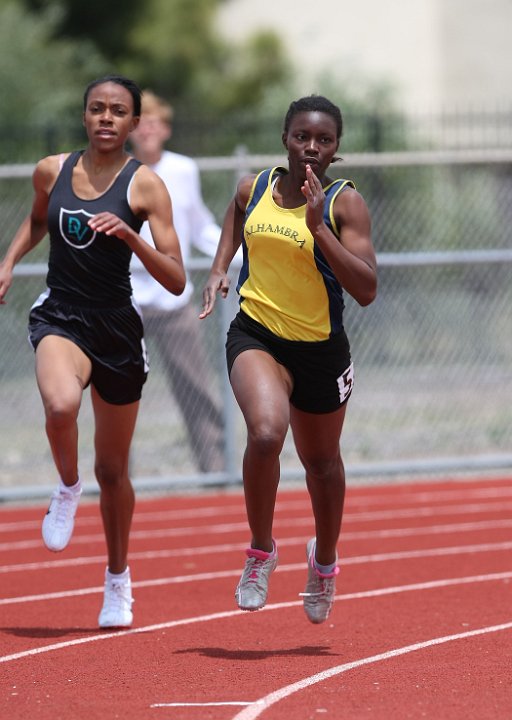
x=171, y=321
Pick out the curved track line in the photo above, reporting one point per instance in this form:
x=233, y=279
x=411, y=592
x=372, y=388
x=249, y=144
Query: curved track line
x=254, y=711
x=276, y=606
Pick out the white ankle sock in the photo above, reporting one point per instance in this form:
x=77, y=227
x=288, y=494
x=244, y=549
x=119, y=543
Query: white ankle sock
x=119, y=576
x=325, y=569
x=76, y=488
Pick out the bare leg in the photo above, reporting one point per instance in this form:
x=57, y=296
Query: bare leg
x=115, y=425
x=262, y=388
x=317, y=439
x=62, y=371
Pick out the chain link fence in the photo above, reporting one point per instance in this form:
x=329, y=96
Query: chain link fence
x=433, y=353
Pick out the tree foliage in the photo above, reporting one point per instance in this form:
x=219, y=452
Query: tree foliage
x=106, y=24
x=223, y=91
x=41, y=80
x=173, y=47
x=39, y=75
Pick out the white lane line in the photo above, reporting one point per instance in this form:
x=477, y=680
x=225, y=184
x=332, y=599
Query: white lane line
x=481, y=490
x=146, y=517
x=203, y=704
x=55, y=564
x=350, y=515
x=290, y=567
x=225, y=528
x=380, y=592
x=146, y=555
x=355, y=496
x=429, y=511
x=140, y=535
x=259, y=706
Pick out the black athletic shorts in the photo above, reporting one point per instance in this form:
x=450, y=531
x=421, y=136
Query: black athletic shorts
x=111, y=338
x=322, y=372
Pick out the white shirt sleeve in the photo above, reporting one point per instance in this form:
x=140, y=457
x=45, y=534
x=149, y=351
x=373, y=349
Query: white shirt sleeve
x=194, y=224
x=204, y=231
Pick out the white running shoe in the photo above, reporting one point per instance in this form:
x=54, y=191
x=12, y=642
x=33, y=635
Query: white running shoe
x=59, y=521
x=117, y=602
x=320, y=588
x=251, y=592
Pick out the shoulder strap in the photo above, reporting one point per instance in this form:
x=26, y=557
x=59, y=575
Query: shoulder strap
x=66, y=165
x=331, y=193
x=131, y=166
x=260, y=184
x=70, y=161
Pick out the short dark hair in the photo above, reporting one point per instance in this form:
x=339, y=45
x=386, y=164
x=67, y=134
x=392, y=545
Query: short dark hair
x=125, y=82
x=315, y=103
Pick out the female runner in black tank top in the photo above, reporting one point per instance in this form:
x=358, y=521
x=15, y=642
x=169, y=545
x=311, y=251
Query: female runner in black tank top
x=85, y=328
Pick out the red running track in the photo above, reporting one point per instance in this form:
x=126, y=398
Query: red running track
x=421, y=626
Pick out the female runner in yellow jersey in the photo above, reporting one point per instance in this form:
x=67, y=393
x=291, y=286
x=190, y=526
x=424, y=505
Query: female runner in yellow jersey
x=306, y=240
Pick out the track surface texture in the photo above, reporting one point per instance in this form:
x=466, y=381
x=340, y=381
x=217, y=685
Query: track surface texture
x=421, y=626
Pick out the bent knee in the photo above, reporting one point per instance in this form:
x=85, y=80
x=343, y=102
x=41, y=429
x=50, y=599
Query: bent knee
x=111, y=474
x=324, y=468
x=60, y=413
x=266, y=440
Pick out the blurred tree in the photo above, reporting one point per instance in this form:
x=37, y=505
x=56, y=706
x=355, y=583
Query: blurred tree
x=173, y=47
x=106, y=24
x=176, y=50
x=171, y=44
x=41, y=80
x=249, y=72
x=225, y=94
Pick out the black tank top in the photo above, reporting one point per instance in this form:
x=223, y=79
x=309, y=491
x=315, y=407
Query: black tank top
x=86, y=267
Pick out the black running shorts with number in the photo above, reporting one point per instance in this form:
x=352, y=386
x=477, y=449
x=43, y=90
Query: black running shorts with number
x=322, y=372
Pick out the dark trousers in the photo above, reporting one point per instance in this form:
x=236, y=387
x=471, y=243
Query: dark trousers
x=178, y=335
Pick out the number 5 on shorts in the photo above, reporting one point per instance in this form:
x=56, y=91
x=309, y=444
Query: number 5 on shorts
x=346, y=383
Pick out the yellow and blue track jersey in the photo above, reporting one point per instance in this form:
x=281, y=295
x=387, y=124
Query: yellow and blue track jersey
x=285, y=283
